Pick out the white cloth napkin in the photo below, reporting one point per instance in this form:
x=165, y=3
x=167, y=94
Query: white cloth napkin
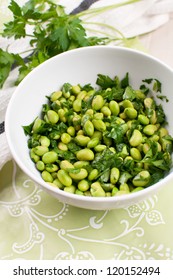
x=132, y=20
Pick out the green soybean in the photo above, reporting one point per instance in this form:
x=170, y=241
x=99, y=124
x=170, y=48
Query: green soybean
x=40, y=165
x=52, y=116
x=131, y=113
x=136, y=138
x=50, y=167
x=92, y=143
x=40, y=150
x=64, y=178
x=44, y=141
x=114, y=107
x=82, y=140
x=114, y=175
x=81, y=174
x=93, y=174
x=135, y=153
x=65, y=138
x=106, y=111
x=85, y=154
x=88, y=128
x=83, y=185
x=70, y=189
x=150, y=129
x=141, y=179
x=35, y=158
x=97, y=190
x=81, y=163
x=47, y=177
x=97, y=102
x=50, y=157
x=99, y=125
x=66, y=165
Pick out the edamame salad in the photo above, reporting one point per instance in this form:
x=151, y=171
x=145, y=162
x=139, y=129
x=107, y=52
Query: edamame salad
x=102, y=141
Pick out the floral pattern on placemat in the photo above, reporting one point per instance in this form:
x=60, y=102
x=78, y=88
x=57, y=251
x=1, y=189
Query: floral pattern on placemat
x=35, y=225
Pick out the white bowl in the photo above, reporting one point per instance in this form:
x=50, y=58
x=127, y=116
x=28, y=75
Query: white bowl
x=82, y=66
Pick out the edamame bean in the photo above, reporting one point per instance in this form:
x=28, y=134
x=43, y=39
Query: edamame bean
x=51, y=117
x=82, y=140
x=61, y=114
x=57, y=182
x=88, y=128
x=35, y=158
x=153, y=117
x=79, y=192
x=137, y=189
x=99, y=125
x=114, y=175
x=127, y=104
x=100, y=148
x=37, y=125
x=71, y=131
x=114, y=107
x=93, y=174
x=97, y=134
x=162, y=132
x=76, y=89
x=92, y=143
x=148, y=102
x=71, y=189
x=66, y=165
x=50, y=167
x=131, y=113
x=47, y=177
x=107, y=187
x=40, y=165
x=136, y=138
x=124, y=187
x=114, y=191
x=50, y=157
x=62, y=146
x=64, y=178
x=85, y=154
x=44, y=141
x=65, y=138
x=83, y=185
x=166, y=145
x=150, y=129
x=40, y=150
x=81, y=163
x=97, y=102
x=145, y=148
x=77, y=105
x=97, y=190
x=106, y=111
x=81, y=174
x=55, y=95
x=135, y=153
x=81, y=95
x=143, y=119
x=98, y=116
x=141, y=179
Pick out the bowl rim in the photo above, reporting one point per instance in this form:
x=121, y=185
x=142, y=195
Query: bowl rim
x=40, y=181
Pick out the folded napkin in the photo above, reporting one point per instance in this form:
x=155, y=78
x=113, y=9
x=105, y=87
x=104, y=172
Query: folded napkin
x=131, y=20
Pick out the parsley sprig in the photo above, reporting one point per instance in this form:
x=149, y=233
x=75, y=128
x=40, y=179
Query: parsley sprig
x=50, y=31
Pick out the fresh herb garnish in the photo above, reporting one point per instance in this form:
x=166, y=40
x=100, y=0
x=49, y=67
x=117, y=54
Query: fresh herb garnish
x=50, y=31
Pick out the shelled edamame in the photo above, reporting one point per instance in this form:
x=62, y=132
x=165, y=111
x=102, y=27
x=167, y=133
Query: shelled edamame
x=104, y=141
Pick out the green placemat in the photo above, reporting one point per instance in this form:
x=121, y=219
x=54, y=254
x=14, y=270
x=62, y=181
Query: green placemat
x=34, y=225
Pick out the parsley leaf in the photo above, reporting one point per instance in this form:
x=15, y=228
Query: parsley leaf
x=50, y=31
